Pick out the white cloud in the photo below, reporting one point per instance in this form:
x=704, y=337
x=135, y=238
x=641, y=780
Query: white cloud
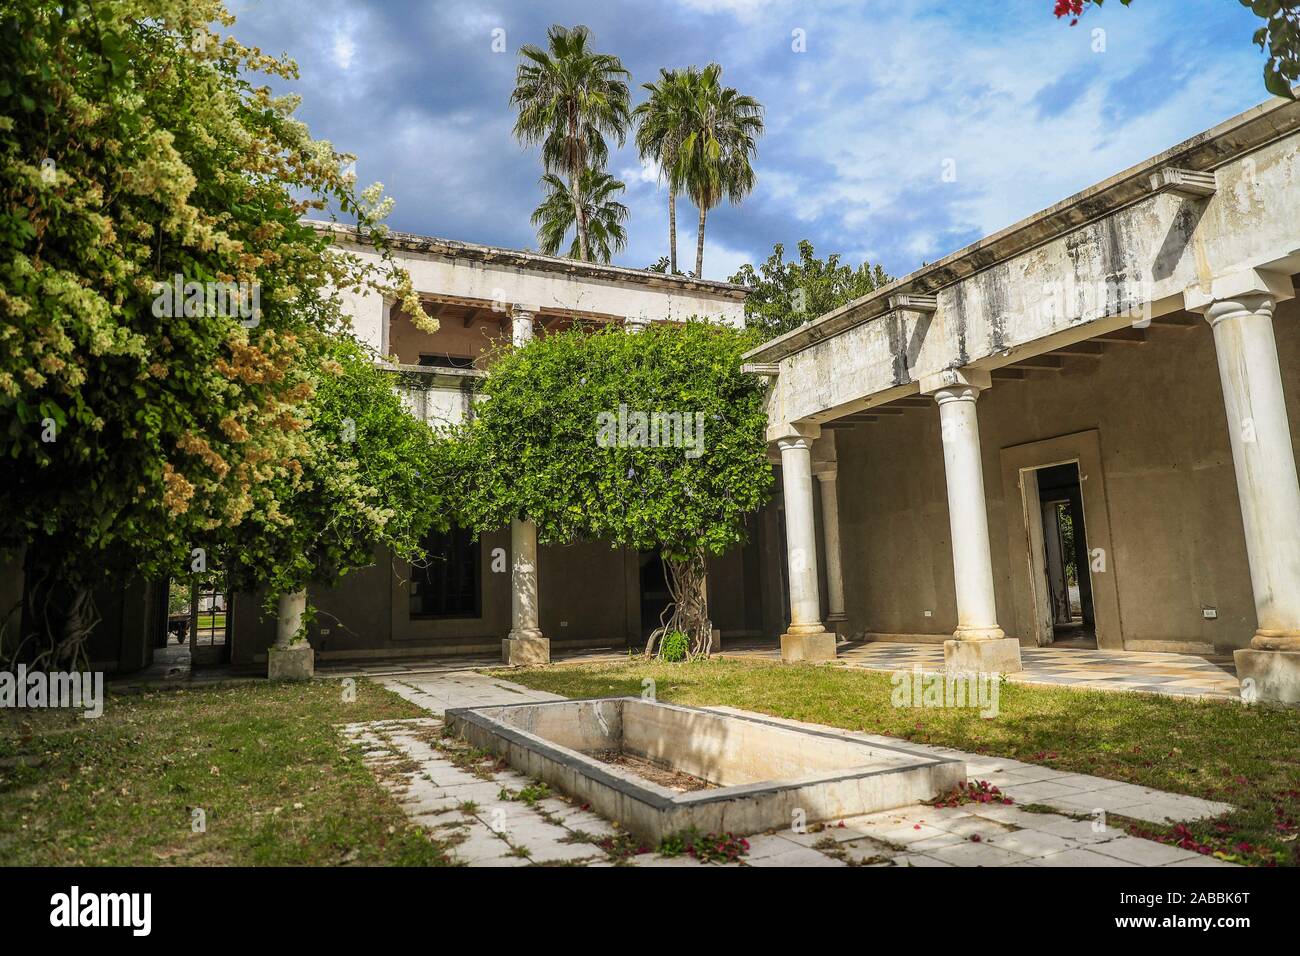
x=867, y=117
x=344, y=50
x=743, y=9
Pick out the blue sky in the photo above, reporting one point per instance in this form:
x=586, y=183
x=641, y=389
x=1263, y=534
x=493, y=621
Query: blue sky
x=1020, y=109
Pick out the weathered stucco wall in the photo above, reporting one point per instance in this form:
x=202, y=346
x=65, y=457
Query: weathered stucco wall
x=1097, y=277
x=1176, y=532
x=589, y=595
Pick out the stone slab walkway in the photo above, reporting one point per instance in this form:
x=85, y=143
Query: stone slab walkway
x=497, y=817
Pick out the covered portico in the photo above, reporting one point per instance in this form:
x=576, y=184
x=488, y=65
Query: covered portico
x=1133, y=345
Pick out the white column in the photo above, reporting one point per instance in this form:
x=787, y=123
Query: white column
x=521, y=324
x=978, y=644
x=636, y=323
x=386, y=326
x=523, y=581
x=806, y=638
x=1264, y=461
x=287, y=659
x=826, y=475
x=290, y=609
x=525, y=643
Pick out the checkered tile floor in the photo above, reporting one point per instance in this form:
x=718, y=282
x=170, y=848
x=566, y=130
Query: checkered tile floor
x=1183, y=675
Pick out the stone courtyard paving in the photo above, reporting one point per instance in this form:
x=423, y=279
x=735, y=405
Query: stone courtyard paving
x=494, y=816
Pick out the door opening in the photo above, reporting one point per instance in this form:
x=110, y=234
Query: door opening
x=655, y=596
x=1061, y=558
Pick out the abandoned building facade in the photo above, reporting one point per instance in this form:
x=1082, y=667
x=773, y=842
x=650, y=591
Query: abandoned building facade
x=1080, y=428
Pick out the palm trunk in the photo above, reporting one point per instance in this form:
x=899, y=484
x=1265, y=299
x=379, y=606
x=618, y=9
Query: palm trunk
x=672, y=232
x=579, y=220
x=699, y=246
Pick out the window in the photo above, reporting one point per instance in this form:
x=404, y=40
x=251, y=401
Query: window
x=448, y=585
x=446, y=361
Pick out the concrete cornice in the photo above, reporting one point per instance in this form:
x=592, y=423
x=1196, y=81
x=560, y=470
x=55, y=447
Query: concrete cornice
x=1203, y=153
x=518, y=258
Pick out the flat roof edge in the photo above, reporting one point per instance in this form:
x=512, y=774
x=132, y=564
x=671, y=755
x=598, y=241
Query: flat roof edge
x=456, y=249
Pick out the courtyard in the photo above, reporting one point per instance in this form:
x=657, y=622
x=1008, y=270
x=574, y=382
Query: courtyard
x=480, y=445
x=1091, y=778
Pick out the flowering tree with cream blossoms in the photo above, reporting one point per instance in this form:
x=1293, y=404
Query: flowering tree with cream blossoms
x=139, y=154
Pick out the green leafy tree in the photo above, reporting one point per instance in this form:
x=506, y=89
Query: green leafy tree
x=570, y=98
x=1279, y=37
x=137, y=152
x=715, y=157
x=662, y=122
x=788, y=294
x=603, y=214
x=370, y=475
x=560, y=440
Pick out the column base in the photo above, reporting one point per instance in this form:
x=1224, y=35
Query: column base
x=1276, y=641
x=997, y=656
x=295, y=662
x=808, y=647
x=1274, y=676
x=523, y=651
x=836, y=622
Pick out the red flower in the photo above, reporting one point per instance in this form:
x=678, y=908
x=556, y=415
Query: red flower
x=1069, y=8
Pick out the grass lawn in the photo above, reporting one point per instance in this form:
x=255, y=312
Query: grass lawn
x=1219, y=750
x=265, y=762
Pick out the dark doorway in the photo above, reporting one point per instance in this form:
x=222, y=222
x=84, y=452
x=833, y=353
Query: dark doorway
x=655, y=596
x=449, y=584
x=1066, y=556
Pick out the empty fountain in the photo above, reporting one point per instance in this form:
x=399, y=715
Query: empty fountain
x=660, y=769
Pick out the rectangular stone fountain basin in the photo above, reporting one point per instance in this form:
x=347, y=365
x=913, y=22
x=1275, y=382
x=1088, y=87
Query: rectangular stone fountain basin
x=752, y=773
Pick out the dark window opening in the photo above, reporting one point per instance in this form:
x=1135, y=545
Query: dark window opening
x=446, y=361
x=448, y=583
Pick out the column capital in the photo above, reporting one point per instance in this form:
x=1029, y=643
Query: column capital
x=956, y=381
x=636, y=323
x=1238, y=285
x=806, y=432
x=825, y=471
x=519, y=310
x=1241, y=305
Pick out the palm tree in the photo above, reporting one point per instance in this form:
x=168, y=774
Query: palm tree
x=721, y=140
x=662, y=122
x=569, y=98
x=603, y=214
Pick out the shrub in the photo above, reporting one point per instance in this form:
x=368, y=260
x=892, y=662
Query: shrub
x=674, y=647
